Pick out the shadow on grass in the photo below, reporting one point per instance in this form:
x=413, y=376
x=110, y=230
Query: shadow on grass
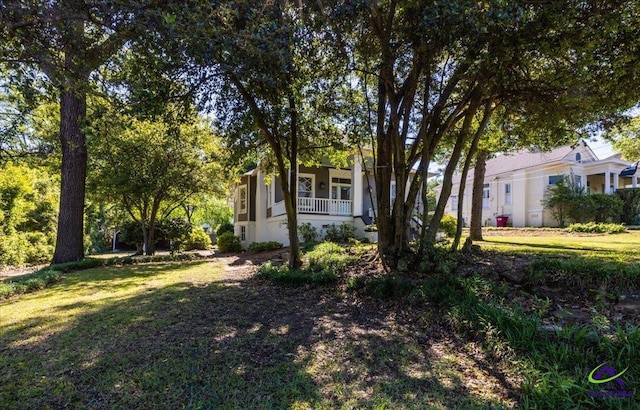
x=253, y=345
x=548, y=246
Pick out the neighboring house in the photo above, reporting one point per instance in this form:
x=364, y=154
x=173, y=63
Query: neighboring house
x=326, y=196
x=515, y=184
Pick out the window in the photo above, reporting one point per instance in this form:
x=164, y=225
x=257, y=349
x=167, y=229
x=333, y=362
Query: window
x=554, y=179
x=270, y=195
x=341, y=188
x=242, y=199
x=454, y=203
x=578, y=157
x=486, y=196
x=243, y=233
x=507, y=194
x=393, y=192
x=305, y=186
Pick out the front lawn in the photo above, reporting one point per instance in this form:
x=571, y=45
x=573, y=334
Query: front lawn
x=195, y=335
x=210, y=334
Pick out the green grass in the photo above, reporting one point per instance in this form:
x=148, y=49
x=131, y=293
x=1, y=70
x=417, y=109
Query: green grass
x=623, y=247
x=192, y=335
x=188, y=335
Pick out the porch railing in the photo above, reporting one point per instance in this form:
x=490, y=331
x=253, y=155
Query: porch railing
x=324, y=206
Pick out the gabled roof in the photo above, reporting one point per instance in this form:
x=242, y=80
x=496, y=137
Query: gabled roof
x=529, y=158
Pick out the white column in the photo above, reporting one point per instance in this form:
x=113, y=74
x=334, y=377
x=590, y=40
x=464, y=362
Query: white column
x=616, y=181
x=607, y=182
x=634, y=181
x=357, y=186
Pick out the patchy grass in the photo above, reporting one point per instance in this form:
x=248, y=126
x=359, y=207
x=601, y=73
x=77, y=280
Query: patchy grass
x=193, y=335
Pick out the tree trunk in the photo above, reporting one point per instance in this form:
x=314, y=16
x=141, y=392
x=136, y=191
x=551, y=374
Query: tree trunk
x=475, y=232
x=70, y=235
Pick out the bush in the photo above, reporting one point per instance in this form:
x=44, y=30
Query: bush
x=630, y=205
x=198, y=239
x=228, y=242
x=593, y=227
x=175, y=230
x=449, y=224
x=329, y=257
x=284, y=275
x=340, y=234
x=224, y=227
x=308, y=232
x=264, y=246
x=22, y=248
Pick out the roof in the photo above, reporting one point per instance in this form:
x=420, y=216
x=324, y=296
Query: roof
x=526, y=158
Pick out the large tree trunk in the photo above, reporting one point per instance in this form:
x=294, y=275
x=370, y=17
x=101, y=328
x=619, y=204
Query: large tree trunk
x=70, y=235
x=475, y=232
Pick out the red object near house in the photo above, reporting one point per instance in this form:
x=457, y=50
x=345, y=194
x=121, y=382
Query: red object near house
x=501, y=221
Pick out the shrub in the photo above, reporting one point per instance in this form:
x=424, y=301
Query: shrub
x=198, y=239
x=284, y=275
x=228, y=242
x=592, y=227
x=341, y=233
x=224, y=227
x=449, y=224
x=605, y=207
x=175, y=230
x=329, y=257
x=264, y=246
x=308, y=232
x=630, y=205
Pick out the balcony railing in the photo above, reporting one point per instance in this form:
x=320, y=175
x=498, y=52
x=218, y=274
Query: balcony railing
x=325, y=206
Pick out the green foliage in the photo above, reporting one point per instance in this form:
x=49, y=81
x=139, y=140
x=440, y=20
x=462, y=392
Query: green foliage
x=264, y=246
x=592, y=227
x=224, y=227
x=283, y=275
x=630, y=213
x=198, y=239
x=28, y=204
x=625, y=139
x=326, y=262
x=228, y=242
x=584, y=274
x=449, y=224
x=131, y=233
x=602, y=207
x=560, y=200
x=341, y=233
x=176, y=230
x=308, y=232
x=329, y=257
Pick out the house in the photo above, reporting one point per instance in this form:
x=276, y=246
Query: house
x=326, y=196
x=515, y=184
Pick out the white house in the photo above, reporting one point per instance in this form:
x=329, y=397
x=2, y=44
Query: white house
x=515, y=184
x=326, y=196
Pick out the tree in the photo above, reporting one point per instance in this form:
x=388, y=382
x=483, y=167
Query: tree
x=626, y=139
x=438, y=64
x=154, y=168
x=273, y=90
x=59, y=46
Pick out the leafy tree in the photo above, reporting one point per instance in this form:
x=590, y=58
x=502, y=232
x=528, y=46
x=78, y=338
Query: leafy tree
x=153, y=168
x=560, y=199
x=626, y=139
x=440, y=64
x=273, y=93
x=58, y=46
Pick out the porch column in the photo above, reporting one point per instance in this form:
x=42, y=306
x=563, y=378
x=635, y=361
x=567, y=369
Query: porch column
x=607, y=182
x=356, y=186
x=616, y=181
x=634, y=181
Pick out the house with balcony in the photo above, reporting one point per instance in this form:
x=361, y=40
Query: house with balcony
x=326, y=195
x=515, y=184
